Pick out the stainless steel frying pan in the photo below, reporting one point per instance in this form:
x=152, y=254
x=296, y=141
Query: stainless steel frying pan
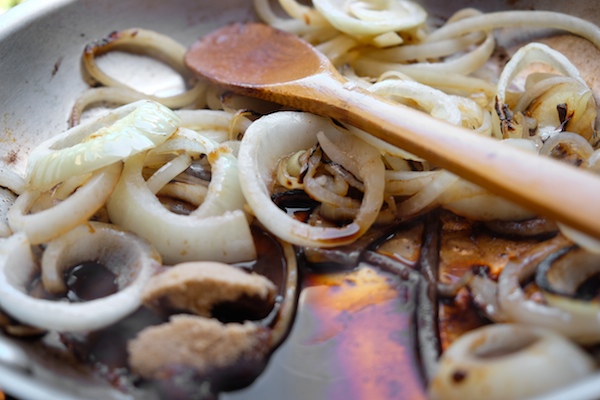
x=40, y=48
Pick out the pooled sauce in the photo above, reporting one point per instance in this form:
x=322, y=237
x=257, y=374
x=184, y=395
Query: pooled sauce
x=89, y=281
x=354, y=336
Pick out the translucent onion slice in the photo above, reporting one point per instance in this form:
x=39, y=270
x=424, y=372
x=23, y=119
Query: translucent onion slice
x=144, y=41
x=518, y=19
x=508, y=361
x=261, y=149
x=121, y=133
x=433, y=101
x=223, y=236
x=560, y=276
x=17, y=266
x=303, y=13
x=518, y=308
x=9, y=179
x=76, y=209
x=371, y=17
x=472, y=201
x=531, y=53
x=216, y=125
x=7, y=199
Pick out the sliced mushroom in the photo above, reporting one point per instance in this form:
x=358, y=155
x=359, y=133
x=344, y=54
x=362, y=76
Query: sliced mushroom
x=201, y=344
x=197, y=287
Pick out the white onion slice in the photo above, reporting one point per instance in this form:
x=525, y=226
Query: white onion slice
x=11, y=180
x=215, y=125
x=261, y=150
x=168, y=172
x=17, y=266
x=518, y=308
x=223, y=236
x=7, y=199
x=433, y=101
x=472, y=201
x=371, y=17
x=530, y=53
x=121, y=133
x=76, y=209
x=508, y=361
x=150, y=42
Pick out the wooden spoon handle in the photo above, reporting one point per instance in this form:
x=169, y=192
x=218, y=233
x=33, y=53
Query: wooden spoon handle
x=545, y=186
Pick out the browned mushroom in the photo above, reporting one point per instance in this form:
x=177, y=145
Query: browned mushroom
x=202, y=344
x=198, y=287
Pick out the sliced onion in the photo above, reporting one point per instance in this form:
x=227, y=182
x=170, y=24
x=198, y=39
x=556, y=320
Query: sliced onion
x=530, y=53
x=17, y=266
x=560, y=276
x=11, y=180
x=518, y=19
x=215, y=125
x=371, y=17
x=472, y=201
x=7, y=199
x=572, y=148
x=260, y=152
x=464, y=64
x=507, y=361
x=433, y=101
x=168, y=172
x=301, y=27
x=76, y=209
x=591, y=244
x=518, y=308
x=407, y=183
x=142, y=40
x=213, y=233
x=428, y=197
x=123, y=132
x=303, y=13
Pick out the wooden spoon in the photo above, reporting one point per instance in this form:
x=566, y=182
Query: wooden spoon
x=257, y=60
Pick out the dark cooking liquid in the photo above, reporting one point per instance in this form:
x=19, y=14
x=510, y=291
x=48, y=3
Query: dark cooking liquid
x=353, y=337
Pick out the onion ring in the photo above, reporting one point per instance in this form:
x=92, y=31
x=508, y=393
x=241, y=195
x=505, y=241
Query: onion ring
x=76, y=209
x=165, y=48
x=260, y=153
x=499, y=359
x=17, y=266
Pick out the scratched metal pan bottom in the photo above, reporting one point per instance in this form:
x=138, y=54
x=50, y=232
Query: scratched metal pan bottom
x=370, y=331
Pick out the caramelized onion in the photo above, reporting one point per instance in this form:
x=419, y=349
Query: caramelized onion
x=260, y=152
